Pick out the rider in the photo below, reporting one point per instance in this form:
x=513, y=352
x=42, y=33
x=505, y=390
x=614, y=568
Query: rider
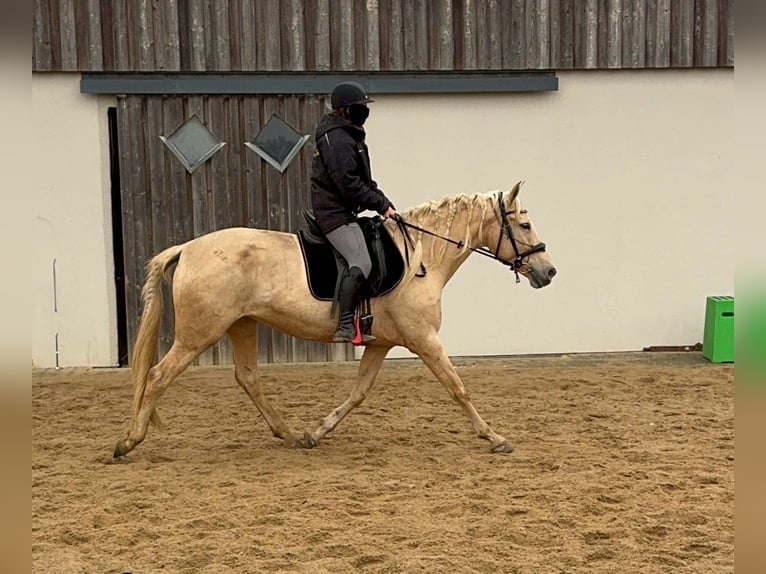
x=342, y=187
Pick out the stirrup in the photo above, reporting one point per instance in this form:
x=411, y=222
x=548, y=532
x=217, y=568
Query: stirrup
x=361, y=340
x=357, y=338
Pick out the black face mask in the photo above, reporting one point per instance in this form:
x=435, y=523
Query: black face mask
x=358, y=114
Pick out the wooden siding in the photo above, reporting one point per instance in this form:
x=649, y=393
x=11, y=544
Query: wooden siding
x=373, y=35
x=163, y=205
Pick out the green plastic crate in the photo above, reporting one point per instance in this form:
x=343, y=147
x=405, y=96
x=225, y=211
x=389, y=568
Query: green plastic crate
x=718, y=343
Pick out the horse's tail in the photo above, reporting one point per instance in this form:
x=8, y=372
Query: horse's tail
x=145, y=349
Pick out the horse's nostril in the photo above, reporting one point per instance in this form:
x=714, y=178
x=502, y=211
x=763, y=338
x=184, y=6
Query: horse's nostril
x=551, y=273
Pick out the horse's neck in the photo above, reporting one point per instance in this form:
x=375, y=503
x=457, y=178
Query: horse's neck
x=461, y=219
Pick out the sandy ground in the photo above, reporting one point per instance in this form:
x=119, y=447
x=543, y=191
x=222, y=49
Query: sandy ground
x=623, y=463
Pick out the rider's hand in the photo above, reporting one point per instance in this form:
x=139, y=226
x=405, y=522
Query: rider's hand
x=390, y=212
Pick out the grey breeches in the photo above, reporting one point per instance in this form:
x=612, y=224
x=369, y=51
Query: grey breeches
x=349, y=241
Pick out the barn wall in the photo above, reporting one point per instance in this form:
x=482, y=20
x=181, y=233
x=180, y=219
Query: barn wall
x=71, y=224
x=628, y=180
x=371, y=35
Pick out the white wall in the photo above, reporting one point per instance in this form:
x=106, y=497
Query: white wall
x=71, y=224
x=629, y=181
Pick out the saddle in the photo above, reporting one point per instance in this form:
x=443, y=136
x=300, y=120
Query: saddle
x=325, y=267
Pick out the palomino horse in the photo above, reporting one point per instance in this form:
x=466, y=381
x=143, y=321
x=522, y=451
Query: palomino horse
x=228, y=280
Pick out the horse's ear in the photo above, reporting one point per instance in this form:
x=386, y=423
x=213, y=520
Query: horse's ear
x=515, y=191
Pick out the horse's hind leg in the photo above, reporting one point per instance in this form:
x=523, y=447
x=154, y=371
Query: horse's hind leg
x=244, y=340
x=160, y=376
x=369, y=366
x=433, y=355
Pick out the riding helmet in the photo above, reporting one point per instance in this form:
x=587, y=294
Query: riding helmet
x=348, y=93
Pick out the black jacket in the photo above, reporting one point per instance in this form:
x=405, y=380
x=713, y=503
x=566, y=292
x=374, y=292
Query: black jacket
x=341, y=181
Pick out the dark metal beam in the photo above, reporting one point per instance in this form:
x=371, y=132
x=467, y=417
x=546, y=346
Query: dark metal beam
x=211, y=84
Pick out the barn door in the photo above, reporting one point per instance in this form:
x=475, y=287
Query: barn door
x=164, y=203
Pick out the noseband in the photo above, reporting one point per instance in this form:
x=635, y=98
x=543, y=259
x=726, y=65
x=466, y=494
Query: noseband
x=507, y=231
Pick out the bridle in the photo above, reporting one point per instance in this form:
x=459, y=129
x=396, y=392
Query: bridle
x=506, y=231
x=519, y=261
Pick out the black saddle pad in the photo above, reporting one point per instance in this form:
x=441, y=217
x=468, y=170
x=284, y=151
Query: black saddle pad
x=322, y=271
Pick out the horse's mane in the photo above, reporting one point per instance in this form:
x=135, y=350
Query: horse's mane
x=439, y=216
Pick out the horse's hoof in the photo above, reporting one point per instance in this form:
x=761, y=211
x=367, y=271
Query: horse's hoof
x=308, y=440
x=123, y=447
x=503, y=447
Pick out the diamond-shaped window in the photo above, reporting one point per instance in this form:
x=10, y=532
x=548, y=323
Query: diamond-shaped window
x=277, y=143
x=192, y=143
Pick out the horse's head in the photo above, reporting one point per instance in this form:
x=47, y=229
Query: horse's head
x=515, y=240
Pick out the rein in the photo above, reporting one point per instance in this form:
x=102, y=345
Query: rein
x=514, y=265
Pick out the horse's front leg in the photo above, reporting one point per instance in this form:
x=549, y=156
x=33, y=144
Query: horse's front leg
x=369, y=365
x=432, y=353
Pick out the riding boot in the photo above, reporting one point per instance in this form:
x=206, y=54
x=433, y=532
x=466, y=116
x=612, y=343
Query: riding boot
x=347, y=302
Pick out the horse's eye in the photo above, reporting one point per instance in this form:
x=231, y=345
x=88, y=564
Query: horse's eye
x=526, y=226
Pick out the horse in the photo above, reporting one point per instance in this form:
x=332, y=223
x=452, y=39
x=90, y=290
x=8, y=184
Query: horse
x=228, y=280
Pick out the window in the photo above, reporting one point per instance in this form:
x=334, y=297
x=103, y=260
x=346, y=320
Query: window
x=277, y=143
x=192, y=143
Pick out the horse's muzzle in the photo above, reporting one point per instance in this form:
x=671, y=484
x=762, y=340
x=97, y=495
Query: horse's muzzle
x=541, y=276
